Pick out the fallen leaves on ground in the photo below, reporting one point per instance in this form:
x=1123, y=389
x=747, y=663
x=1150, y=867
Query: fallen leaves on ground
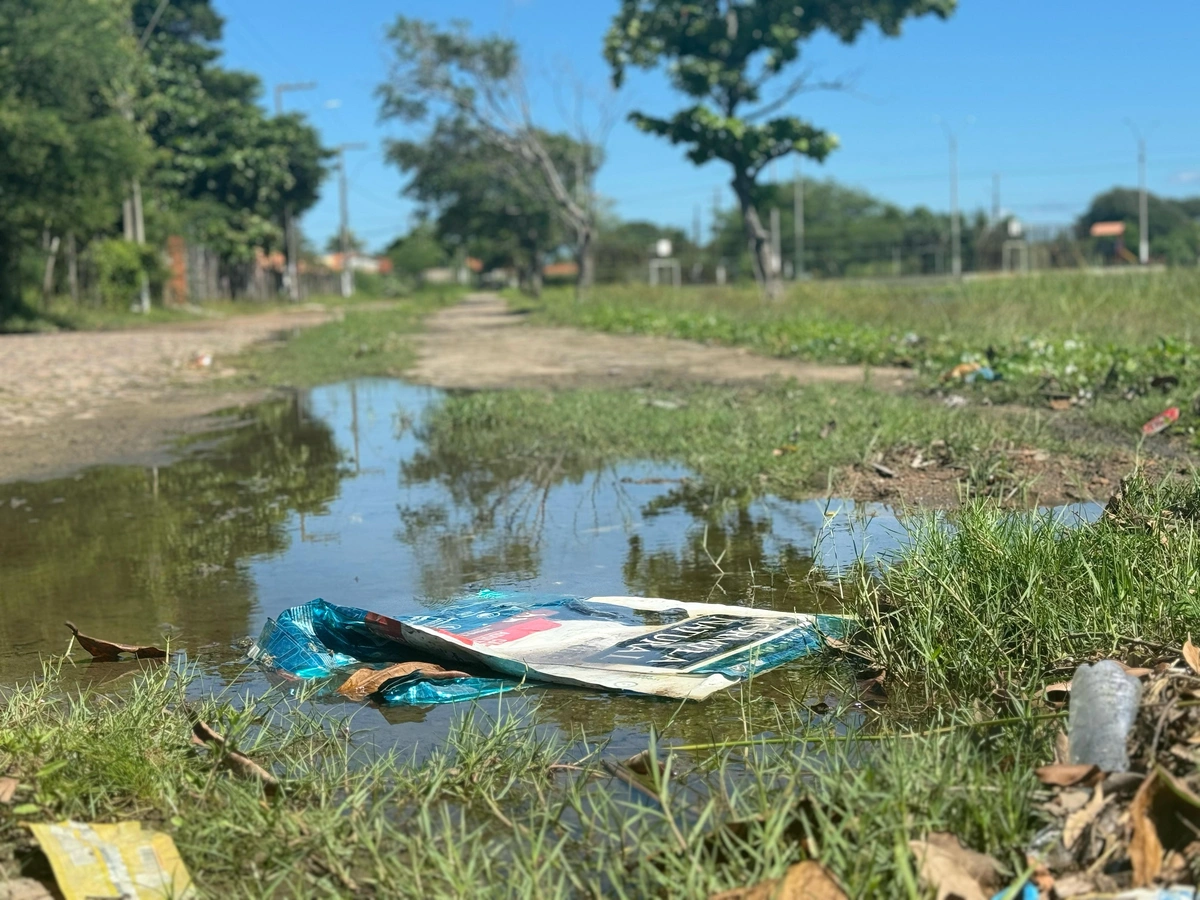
x=804, y=881
x=110, y=651
x=1078, y=821
x=1191, y=656
x=1067, y=774
x=955, y=871
x=365, y=682
x=239, y=763
x=8, y=787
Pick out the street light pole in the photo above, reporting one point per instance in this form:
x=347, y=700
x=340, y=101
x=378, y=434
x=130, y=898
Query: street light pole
x=292, y=268
x=955, y=224
x=1143, y=205
x=344, y=203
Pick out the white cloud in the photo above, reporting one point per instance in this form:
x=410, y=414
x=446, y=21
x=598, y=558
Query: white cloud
x=1191, y=176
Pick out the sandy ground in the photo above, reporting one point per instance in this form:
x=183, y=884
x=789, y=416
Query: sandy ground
x=481, y=344
x=75, y=399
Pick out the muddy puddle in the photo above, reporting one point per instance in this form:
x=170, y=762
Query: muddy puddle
x=334, y=494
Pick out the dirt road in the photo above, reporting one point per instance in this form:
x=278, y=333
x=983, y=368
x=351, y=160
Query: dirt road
x=481, y=344
x=75, y=399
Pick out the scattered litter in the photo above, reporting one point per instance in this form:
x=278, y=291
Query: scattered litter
x=8, y=787
x=954, y=401
x=204, y=735
x=665, y=404
x=1127, y=826
x=1058, y=404
x=643, y=646
x=201, y=361
x=986, y=373
x=1161, y=422
x=17, y=502
x=1104, y=704
x=883, y=471
x=785, y=449
x=110, y=651
x=122, y=860
x=827, y=429
x=962, y=370
x=808, y=880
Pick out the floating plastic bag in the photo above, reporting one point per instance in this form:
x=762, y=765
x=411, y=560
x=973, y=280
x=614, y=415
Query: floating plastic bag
x=645, y=646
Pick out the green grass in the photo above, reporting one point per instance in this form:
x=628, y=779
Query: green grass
x=486, y=815
x=726, y=436
x=362, y=342
x=999, y=599
x=64, y=315
x=1063, y=333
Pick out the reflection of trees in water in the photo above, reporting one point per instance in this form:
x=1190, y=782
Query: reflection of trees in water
x=138, y=547
x=725, y=557
x=496, y=485
x=490, y=525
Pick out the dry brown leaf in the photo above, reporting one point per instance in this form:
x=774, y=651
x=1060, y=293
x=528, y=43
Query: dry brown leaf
x=1059, y=404
x=24, y=889
x=1078, y=821
x=953, y=870
x=239, y=763
x=1165, y=816
x=1067, y=774
x=1191, y=655
x=1062, y=748
x=1145, y=848
x=365, y=682
x=110, y=651
x=1073, y=885
x=804, y=881
x=8, y=787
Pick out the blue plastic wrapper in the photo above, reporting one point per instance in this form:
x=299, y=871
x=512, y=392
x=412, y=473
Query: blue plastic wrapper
x=637, y=645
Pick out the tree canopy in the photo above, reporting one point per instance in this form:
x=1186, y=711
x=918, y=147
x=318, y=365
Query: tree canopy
x=95, y=95
x=728, y=58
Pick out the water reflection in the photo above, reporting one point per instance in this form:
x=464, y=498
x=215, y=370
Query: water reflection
x=344, y=493
x=135, y=552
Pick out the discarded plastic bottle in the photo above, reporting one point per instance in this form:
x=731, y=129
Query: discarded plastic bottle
x=1104, y=704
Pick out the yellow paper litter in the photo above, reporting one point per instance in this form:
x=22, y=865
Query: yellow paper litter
x=122, y=860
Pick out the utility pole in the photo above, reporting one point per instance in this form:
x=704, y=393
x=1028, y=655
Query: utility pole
x=798, y=215
x=347, y=274
x=696, y=226
x=995, y=197
x=955, y=228
x=291, y=279
x=1143, y=206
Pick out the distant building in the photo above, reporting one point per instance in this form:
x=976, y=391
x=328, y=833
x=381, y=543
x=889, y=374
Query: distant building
x=371, y=265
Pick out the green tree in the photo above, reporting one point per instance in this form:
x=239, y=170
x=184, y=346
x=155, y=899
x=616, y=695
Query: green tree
x=417, y=251
x=1174, y=230
x=223, y=169
x=66, y=150
x=478, y=83
x=723, y=55
x=481, y=202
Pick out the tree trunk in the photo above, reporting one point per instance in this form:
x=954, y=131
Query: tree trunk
x=72, y=267
x=585, y=258
x=10, y=275
x=762, y=258
x=48, y=271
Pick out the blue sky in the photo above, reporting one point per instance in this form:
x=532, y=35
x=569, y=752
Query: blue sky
x=1039, y=91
